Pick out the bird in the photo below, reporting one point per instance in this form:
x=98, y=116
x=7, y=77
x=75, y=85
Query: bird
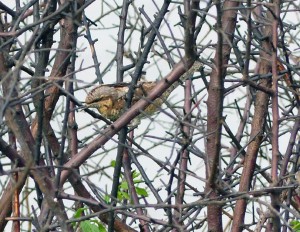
x=110, y=99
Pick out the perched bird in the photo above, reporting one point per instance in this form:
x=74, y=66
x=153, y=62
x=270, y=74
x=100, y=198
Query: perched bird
x=110, y=99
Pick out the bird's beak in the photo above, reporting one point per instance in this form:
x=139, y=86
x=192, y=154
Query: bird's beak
x=82, y=107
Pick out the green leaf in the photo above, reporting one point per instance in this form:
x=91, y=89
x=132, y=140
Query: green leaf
x=295, y=225
x=141, y=191
x=138, y=181
x=135, y=174
x=107, y=199
x=100, y=226
x=124, y=185
x=113, y=163
x=123, y=195
x=87, y=226
x=91, y=225
x=79, y=212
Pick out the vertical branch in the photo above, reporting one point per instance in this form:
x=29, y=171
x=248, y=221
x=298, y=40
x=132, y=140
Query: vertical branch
x=190, y=8
x=88, y=36
x=239, y=134
x=131, y=187
x=214, y=127
x=41, y=61
x=61, y=153
x=257, y=129
x=72, y=125
x=120, y=44
x=291, y=143
x=248, y=42
x=275, y=201
x=15, y=180
x=116, y=177
x=123, y=132
x=261, y=106
x=16, y=204
x=226, y=22
x=275, y=107
x=183, y=162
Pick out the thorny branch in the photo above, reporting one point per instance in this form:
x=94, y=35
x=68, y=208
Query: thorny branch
x=221, y=154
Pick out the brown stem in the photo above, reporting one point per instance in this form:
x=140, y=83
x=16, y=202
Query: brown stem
x=131, y=186
x=275, y=201
x=183, y=162
x=226, y=21
x=260, y=110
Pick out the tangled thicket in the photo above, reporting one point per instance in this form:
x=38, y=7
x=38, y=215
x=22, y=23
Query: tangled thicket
x=221, y=154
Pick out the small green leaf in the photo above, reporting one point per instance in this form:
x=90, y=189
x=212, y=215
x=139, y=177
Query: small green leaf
x=107, y=199
x=295, y=225
x=123, y=195
x=137, y=181
x=100, y=226
x=113, y=163
x=124, y=185
x=87, y=226
x=135, y=174
x=79, y=212
x=141, y=191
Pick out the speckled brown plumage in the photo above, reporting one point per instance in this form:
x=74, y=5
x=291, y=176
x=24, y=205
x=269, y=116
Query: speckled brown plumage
x=110, y=99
